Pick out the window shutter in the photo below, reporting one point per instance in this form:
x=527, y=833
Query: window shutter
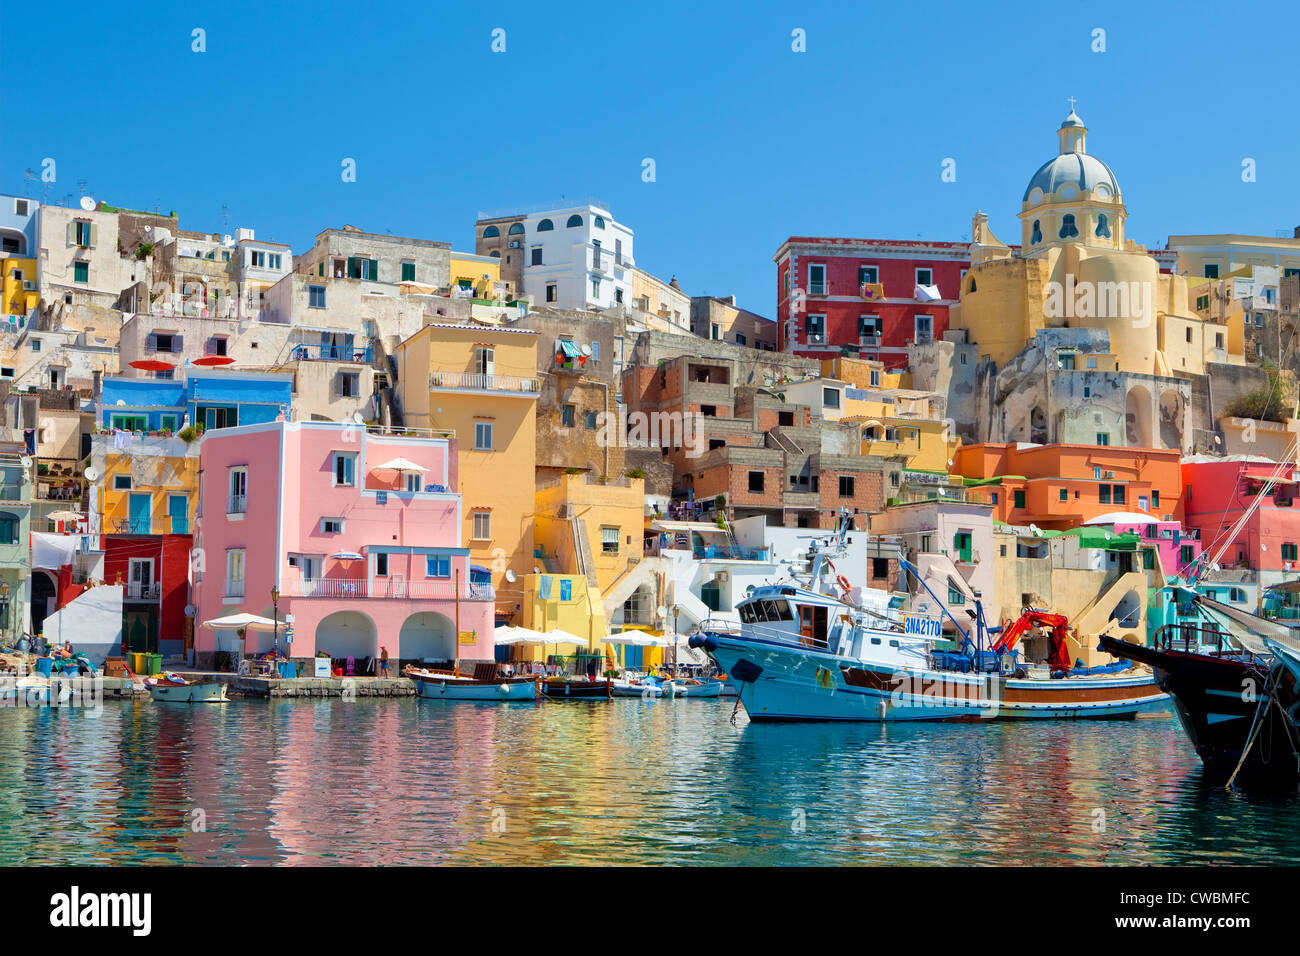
x=151, y=342
x=374, y=270
x=72, y=233
x=94, y=235
x=354, y=271
x=321, y=270
x=178, y=343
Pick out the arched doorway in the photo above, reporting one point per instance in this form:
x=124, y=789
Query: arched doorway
x=1128, y=612
x=346, y=634
x=426, y=637
x=45, y=594
x=1172, y=409
x=1137, y=418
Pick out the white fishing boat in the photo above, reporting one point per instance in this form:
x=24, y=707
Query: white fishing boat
x=172, y=688
x=447, y=685
x=646, y=690
x=690, y=687
x=804, y=652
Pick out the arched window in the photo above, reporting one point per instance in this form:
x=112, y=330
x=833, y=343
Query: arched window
x=1103, y=226
x=491, y=232
x=1037, y=237
x=598, y=222
x=1068, y=229
x=972, y=284
x=574, y=220
x=8, y=528
x=517, y=229
x=495, y=253
x=545, y=225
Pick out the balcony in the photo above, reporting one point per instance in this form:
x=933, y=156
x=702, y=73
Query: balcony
x=388, y=588
x=330, y=353
x=869, y=341
x=139, y=591
x=730, y=552
x=485, y=382
x=236, y=504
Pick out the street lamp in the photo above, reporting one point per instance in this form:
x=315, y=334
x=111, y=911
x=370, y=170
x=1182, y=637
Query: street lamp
x=676, y=610
x=275, y=615
x=4, y=606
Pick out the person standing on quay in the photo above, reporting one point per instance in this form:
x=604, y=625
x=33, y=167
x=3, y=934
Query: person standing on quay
x=383, y=662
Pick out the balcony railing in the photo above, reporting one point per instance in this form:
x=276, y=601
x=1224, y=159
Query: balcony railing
x=481, y=382
x=330, y=353
x=869, y=341
x=137, y=591
x=391, y=588
x=236, y=504
x=728, y=552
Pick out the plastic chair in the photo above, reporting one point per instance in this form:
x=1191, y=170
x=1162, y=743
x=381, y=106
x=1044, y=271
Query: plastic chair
x=352, y=665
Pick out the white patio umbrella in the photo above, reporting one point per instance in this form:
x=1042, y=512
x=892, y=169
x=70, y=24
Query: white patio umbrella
x=401, y=464
x=252, y=622
x=506, y=635
x=347, y=556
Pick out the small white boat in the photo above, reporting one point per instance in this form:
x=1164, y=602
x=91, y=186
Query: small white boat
x=689, y=687
x=171, y=688
x=645, y=690
x=444, y=685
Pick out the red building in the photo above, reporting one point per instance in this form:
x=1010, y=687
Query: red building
x=154, y=570
x=875, y=296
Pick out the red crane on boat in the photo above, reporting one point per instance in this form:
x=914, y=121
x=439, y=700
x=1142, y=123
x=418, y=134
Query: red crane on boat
x=1059, y=659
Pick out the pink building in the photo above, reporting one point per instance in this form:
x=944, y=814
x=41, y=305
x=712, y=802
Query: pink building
x=359, y=532
x=1178, y=547
x=1218, y=491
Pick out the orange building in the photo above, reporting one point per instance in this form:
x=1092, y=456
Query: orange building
x=1058, y=487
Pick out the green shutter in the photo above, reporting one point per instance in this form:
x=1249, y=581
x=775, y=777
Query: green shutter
x=374, y=270
x=354, y=271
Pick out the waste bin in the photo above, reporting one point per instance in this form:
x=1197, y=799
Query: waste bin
x=44, y=666
x=288, y=669
x=152, y=663
x=137, y=662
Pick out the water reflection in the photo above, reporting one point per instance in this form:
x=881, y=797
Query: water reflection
x=401, y=782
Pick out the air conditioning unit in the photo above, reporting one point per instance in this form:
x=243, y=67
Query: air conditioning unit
x=1108, y=474
x=724, y=576
x=29, y=285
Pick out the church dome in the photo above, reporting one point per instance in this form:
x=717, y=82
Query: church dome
x=1082, y=171
x=1073, y=167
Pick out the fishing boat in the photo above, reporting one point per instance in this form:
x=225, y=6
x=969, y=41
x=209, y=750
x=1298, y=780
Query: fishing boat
x=1232, y=677
x=690, y=687
x=644, y=689
x=564, y=688
x=804, y=652
x=173, y=688
x=448, y=685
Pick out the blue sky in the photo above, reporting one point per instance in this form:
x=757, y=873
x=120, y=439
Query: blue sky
x=752, y=142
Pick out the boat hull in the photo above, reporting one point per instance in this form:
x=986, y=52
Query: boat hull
x=505, y=689
x=783, y=683
x=203, y=693
x=577, y=689
x=1216, y=700
x=704, y=689
x=642, y=691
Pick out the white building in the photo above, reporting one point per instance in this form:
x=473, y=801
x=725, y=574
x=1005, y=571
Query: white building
x=576, y=258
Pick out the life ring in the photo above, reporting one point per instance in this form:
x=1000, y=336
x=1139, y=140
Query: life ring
x=843, y=582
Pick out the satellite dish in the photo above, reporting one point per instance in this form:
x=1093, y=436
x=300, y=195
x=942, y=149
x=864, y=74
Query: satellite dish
x=27, y=461
x=510, y=575
x=190, y=610
x=92, y=474
x=121, y=401
x=356, y=417
x=586, y=350
x=88, y=203
x=661, y=611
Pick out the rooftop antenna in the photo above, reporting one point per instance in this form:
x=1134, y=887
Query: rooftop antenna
x=81, y=184
x=225, y=219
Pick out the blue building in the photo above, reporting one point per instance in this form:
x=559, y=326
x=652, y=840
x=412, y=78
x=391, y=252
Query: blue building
x=209, y=399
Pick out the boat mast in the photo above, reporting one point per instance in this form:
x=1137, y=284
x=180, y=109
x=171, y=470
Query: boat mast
x=455, y=668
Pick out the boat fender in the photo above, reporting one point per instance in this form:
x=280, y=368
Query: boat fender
x=504, y=688
x=1058, y=675
x=705, y=641
x=746, y=671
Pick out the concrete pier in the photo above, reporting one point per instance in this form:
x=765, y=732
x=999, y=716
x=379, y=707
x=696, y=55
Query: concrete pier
x=343, y=687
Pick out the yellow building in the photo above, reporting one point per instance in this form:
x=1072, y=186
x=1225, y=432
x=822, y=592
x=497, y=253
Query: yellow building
x=1217, y=256
x=565, y=602
x=864, y=373
x=899, y=423
x=587, y=526
x=481, y=383
x=18, y=280
x=480, y=273
x=1076, y=269
x=152, y=488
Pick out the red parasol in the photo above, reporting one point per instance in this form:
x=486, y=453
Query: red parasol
x=152, y=365
x=214, y=360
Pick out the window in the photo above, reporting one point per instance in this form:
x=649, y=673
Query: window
x=1103, y=494
x=235, y=572
x=880, y=567
x=437, y=566
x=740, y=339
x=831, y=397
x=545, y=225
x=20, y=207
x=129, y=423
x=408, y=267
x=1236, y=595
x=1117, y=494
x=924, y=329
x=608, y=540
x=167, y=423
x=846, y=486
x=816, y=329
x=1103, y=438
x=567, y=413
x=483, y=436
x=82, y=233
x=256, y=258
x=1211, y=270
x=80, y=271
x=1018, y=498
x=8, y=528
x=482, y=525
x=1068, y=229
x=1037, y=236
x=491, y=232
x=817, y=279
x=1185, y=554
x=1148, y=559
x=237, y=483
x=345, y=466
x=381, y=564
x=926, y=543
x=1188, y=331
x=121, y=482
x=925, y=277
x=1288, y=552
x=349, y=384
x=955, y=594
x=756, y=480
x=868, y=274
x=566, y=589
x=595, y=287
x=598, y=222
x=1065, y=494
x=589, y=419
x=868, y=325
x=315, y=296
x=874, y=378
x=573, y=222
x=552, y=292
x=1203, y=302
x=1218, y=340
x=331, y=525
x=1103, y=227
x=1155, y=498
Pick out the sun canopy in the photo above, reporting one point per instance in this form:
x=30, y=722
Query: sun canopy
x=400, y=464
x=1122, y=517
x=346, y=556
x=506, y=635
x=235, y=621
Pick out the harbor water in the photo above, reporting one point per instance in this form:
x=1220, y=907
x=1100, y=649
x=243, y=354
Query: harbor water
x=405, y=781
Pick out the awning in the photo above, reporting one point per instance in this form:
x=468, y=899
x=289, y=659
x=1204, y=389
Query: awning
x=703, y=527
x=1122, y=517
x=569, y=349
